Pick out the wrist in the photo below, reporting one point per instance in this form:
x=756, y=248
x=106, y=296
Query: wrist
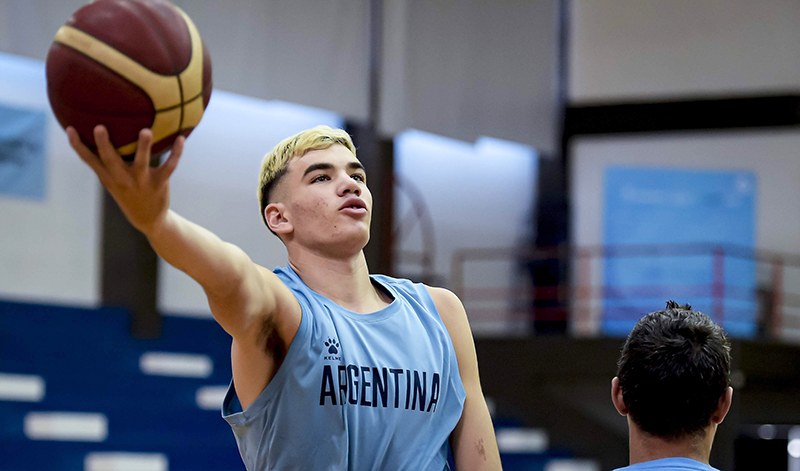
x=157, y=226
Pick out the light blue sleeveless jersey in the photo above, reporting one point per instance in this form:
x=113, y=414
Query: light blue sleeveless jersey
x=376, y=391
x=669, y=464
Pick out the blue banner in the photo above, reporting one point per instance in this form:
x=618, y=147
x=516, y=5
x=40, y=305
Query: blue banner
x=23, y=134
x=694, y=212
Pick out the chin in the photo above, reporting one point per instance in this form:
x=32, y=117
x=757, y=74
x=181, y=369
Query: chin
x=339, y=244
x=351, y=241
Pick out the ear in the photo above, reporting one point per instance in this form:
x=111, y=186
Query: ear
x=275, y=215
x=723, y=406
x=616, y=397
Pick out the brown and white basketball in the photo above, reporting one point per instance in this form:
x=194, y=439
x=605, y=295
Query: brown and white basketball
x=129, y=64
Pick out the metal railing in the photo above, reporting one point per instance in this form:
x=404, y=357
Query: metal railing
x=773, y=297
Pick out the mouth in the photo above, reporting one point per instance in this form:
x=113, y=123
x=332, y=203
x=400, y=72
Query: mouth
x=354, y=204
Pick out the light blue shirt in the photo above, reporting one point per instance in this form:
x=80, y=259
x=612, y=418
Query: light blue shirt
x=376, y=391
x=669, y=464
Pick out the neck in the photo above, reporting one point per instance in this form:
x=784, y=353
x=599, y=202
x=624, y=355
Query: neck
x=344, y=281
x=646, y=447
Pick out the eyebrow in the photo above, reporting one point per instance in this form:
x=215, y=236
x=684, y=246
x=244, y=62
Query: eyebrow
x=327, y=166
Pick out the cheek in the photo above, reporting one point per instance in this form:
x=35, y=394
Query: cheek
x=311, y=210
x=367, y=197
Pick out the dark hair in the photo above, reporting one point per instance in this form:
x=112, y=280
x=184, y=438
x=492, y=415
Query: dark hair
x=265, y=194
x=673, y=370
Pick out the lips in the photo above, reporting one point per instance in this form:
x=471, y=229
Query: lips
x=354, y=207
x=355, y=204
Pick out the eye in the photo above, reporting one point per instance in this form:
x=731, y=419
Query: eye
x=320, y=178
x=358, y=177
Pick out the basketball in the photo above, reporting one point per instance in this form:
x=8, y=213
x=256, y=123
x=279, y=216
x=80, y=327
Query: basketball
x=129, y=64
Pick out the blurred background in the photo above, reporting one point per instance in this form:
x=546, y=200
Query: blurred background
x=565, y=166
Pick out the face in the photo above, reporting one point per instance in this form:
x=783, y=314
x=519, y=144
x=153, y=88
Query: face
x=323, y=201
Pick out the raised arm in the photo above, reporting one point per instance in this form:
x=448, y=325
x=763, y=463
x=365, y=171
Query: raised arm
x=247, y=300
x=473, y=440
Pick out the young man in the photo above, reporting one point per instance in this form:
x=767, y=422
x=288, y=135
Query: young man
x=673, y=385
x=333, y=368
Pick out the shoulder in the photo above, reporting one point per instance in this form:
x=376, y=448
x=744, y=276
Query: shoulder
x=455, y=320
x=451, y=310
x=446, y=301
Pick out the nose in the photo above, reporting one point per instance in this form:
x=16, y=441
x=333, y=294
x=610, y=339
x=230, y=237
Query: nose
x=350, y=186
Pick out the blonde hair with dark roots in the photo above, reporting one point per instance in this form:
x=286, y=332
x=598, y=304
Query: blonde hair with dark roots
x=273, y=166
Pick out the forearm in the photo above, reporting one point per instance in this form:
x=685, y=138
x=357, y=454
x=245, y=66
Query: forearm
x=232, y=282
x=219, y=267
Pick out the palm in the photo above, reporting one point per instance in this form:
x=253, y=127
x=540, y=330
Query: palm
x=141, y=192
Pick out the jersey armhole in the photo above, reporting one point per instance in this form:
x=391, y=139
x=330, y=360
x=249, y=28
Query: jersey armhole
x=231, y=407
x=455, y=373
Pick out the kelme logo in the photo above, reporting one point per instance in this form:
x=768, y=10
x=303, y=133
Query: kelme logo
x=333, y=346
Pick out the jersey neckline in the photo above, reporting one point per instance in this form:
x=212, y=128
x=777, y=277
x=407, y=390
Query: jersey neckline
x=375, y=316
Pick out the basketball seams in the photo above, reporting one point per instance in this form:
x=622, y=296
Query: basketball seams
x=178, y=98
x=191, y=78
x=71, y=61
x=161, y=89
x=81, y=89
x=176, y=68
x=155, y=17
x=193, y=112
x=183, y=103
x=165, y=124
x=157, y=86
x=125, y=27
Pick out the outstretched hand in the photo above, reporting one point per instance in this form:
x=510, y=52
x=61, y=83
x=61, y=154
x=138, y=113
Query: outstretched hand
x=141, y=192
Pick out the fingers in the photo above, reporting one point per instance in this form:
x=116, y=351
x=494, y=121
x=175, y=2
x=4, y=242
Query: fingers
x=141, y=160
x=165, y=171
x=108, y=154
x=107, y=163
x=85, y=153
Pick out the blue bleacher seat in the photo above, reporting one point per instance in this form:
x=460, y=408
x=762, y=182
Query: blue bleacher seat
x=90, y=363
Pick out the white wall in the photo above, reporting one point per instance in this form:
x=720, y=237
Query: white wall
x=771, y=155
x=479, y=196
x=292, y=50
x=472, y=68
x=304, y=51
x=464, y=69
x=27, y=27
x=216, y=182
x=48, y=248
x=666, y=48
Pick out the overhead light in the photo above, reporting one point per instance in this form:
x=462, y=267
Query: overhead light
x=793, y=448
x=767, y=432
